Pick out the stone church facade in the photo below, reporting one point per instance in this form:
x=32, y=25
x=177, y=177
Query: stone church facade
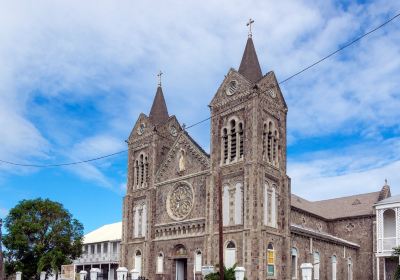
x=170, y=211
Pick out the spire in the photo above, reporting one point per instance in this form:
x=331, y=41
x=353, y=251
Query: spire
x=249, y=66
x=159, y=111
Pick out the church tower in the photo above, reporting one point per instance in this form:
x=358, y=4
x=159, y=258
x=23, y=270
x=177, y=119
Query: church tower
x=248, y=153
x=148, y=143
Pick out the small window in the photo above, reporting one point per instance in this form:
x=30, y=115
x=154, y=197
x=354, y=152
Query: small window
x=334, y=267
x=198, y=261
x=230, y=254
x=160, y=263
x=294, y=263
x=270, y=260
x=105, y=248
x=316, y=265
x=349, y=269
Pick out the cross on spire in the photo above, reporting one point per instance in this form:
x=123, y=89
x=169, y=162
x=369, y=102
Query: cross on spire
x=251, y=21
x=159, y=78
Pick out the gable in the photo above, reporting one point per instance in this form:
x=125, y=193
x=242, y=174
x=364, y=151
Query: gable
x=226, y=92
x=185, y=157
x=270, y=89
x=142, y=120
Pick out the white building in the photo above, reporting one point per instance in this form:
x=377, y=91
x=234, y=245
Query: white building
x=387, y=235
x=101, y=250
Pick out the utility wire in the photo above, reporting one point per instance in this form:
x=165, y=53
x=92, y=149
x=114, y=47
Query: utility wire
x=208, y=118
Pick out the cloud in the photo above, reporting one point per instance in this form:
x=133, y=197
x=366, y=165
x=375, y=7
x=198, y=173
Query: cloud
x=356, y=169
x=75, y=75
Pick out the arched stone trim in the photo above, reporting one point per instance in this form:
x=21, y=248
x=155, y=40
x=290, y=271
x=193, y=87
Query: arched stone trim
x=230, y=253
x=334, y=267
x=160, y=263
x=198, y=260
x=270, y=141
x=232, y=140
x=138, y=261
x=141, y=170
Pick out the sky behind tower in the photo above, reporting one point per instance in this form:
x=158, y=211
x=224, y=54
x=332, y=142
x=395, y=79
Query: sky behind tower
x=75, y=75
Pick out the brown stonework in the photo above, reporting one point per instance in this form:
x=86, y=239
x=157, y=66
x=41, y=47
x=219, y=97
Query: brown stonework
x=164, y=162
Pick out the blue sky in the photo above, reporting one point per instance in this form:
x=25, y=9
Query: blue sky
x=75, y=75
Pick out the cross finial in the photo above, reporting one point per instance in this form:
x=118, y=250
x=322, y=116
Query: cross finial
x=251, y=21
x=159, y=78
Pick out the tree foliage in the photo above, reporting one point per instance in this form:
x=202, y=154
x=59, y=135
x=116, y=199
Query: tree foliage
x=229, y=274
x=41, y=236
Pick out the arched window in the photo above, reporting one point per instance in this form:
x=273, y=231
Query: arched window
x=230, y=254
x=349, y=269
x=241, y=139
x=198, y=261
x=146, y=169
x=160, y=263
x=389, y=229
x=225, y=145
x=138, y=261
x=141, y=160
x=233, y=140
x=294, y=263
x=334, y=267
x=316, y=263
x=270, y=260
x=137, y=169
x=275, y=149
x=269, y=143
x=264, y=142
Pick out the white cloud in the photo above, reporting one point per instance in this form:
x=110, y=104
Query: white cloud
x=357, y=169
x=103, y=57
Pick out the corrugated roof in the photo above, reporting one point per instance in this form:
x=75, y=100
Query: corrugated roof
x=342, y=207
x=108, y=232
x=322, y=235
x=393, y=199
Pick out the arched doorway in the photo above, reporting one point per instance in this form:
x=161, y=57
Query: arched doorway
x=180, y=255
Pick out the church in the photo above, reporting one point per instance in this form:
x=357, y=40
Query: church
x=170, y=211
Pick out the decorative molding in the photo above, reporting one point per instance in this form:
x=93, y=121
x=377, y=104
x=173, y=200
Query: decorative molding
x=189, y=147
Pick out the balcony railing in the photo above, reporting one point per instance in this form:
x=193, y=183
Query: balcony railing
x=388, y=243
x=98, y=258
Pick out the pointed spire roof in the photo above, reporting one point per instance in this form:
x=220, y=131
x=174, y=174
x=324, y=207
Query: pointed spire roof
x=249, y=66
x=159, y=111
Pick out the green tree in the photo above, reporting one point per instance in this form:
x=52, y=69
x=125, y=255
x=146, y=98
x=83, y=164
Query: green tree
x=41, y=236
x=229, y=274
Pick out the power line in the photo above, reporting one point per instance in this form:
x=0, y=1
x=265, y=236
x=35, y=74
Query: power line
x=311, y=65
x=208, y=118
x=63, y=164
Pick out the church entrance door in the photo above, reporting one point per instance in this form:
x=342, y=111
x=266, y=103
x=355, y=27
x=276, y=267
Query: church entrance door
x=181, y=269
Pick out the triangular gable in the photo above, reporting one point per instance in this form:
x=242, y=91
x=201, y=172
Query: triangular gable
x=269, y=82
x=143, y=119
x=185, y=157
x=243, y=86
